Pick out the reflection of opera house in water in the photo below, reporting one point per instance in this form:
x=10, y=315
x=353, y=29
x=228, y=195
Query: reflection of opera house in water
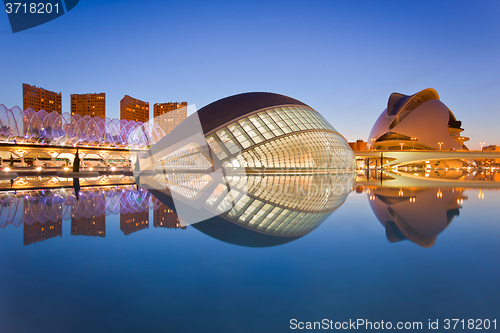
x=418, y=215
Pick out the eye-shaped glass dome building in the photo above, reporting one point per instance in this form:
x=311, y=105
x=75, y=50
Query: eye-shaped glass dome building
x=256, y=130
x=419, y=121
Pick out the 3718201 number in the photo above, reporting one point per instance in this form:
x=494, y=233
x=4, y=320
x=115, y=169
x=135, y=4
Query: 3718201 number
x=31, y=8
x=476, y=324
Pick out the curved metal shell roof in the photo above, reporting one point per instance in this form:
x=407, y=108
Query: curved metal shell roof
x=227, y=109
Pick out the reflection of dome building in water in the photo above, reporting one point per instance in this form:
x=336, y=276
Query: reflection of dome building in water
x=420, y=120
x=258, y=130
x=417, y=215
x=251, y=133
x=265, y=211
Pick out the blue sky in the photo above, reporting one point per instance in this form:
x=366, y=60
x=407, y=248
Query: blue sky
x=343, y=58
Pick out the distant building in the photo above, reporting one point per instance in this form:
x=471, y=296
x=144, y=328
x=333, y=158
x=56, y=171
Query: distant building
x=164, y=217
x=169, y=115
x=41, y=99
x=359, y=145
x=491, y=148
x=38, y=232
x=89, y=104
x=132, y=222
x=89, y=226
x=134, y=109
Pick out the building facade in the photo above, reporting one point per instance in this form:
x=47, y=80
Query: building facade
x=38, y=232
x=134, y=221
x=41, y=99
x=256, y=131
x=134, y=109
x=492, y=148
x=164, y=217
x=169, y=115
x=89, y=226
x=89, y=104
x=417, y=122
x=359, y=145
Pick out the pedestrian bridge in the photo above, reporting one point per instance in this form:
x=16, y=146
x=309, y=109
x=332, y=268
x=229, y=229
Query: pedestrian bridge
x=401, y=158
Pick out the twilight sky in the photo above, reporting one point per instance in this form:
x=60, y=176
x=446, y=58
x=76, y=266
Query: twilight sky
x=343, y=58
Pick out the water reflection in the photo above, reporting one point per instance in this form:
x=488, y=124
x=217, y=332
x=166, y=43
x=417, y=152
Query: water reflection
x=415, y=214
x=256, y=211
x=249, y=210
x=41, y=212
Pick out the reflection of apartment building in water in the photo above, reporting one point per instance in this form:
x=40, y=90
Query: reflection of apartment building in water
x=132, y=222
x=38, y=232
x=41, y=99
x=89, y=226
x=164, y=217
x=89, y=104
x=169, y=115
x=134, y=109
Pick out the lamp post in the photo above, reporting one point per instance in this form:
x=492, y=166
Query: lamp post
x=461, y=138
x=401, y=144
x=440, y=144
x=413, y=139
x=481, y=143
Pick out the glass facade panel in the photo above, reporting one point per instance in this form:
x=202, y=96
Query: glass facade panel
x=251, y=131
x=240, y=135
x=270, y=123
x=283, y=137
x=261, y=127
x=228, y=140
x=218, y=149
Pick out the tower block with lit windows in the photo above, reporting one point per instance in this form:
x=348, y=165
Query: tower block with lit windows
x=169, y=115
x=134, y=109
x=89, y=104
x=41, y=99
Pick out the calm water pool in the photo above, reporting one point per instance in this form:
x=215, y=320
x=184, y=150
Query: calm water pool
x=119, y=260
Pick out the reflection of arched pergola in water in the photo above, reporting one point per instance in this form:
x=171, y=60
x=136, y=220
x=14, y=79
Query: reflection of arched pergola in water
x=418, y=215
x=260, y=211
x=53, y=205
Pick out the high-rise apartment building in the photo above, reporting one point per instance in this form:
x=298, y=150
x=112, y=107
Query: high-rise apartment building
x=89, y=226
x=164, y=217
x=132, y=222
x=41, y=99
x=169, y=115
x=38, y=232
x=89, y=104
x=134, y=109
